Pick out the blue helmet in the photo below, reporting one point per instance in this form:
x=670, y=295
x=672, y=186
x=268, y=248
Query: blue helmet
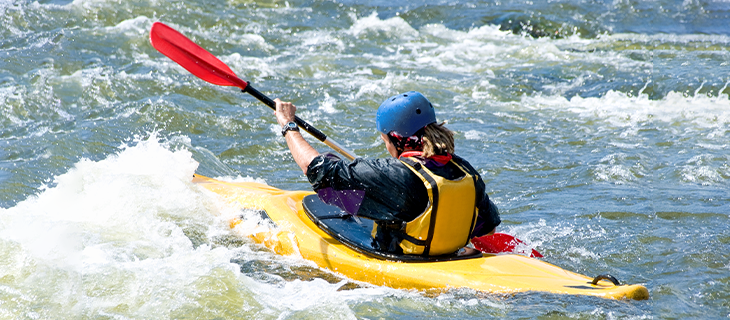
x=405, y=114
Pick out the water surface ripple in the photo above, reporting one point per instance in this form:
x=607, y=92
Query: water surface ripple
x=602, y=129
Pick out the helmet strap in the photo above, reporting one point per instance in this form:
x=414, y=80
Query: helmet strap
x=397, y=143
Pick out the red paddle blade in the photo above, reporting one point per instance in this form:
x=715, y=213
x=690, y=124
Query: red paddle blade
x=500, y=243
x=192, y=57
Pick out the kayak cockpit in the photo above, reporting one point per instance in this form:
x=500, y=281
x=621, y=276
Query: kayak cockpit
x=355, y=233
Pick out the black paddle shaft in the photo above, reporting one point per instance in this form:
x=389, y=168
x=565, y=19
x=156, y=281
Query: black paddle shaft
x=301, y=123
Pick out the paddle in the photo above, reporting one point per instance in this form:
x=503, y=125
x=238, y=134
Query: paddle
x=206, y=66
x=500, y=243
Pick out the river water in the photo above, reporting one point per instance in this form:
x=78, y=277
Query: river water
x=601, y=128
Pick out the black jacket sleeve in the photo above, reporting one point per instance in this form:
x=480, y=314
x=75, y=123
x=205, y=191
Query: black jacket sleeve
x=391, y=192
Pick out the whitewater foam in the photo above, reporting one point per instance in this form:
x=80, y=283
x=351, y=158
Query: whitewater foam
x=131, y=235
x=621, y=109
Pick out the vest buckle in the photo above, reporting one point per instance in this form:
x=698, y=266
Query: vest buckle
x=394, y=225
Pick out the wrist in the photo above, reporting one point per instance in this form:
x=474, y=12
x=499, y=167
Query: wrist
x=289, y=126
x=283, y=121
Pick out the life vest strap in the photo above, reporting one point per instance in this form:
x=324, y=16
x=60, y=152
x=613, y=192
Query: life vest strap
x=399, y=228
x=435, y=200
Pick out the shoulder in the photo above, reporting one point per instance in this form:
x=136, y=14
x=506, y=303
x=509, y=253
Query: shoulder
x=359, y=171
x=378, y=166
x=464, y=163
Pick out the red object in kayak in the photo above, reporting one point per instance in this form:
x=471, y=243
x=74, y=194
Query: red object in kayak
x=500, y=243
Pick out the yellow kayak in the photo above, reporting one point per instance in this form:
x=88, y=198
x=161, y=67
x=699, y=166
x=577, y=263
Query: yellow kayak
x=297, y=234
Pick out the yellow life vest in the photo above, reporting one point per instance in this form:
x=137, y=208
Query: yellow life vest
x=446, y=224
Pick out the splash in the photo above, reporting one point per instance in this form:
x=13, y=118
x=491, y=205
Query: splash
x=109, y=231
x=132, y=236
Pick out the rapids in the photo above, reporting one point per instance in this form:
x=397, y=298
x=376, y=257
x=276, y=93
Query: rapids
x=602, y=130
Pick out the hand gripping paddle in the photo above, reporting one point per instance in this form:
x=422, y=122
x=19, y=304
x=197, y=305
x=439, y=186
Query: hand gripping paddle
x=206, y=66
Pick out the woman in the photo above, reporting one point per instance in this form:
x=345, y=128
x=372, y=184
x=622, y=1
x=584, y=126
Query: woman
x=425, y=200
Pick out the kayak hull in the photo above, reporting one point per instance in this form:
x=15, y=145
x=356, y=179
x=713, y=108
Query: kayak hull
x=504, y=273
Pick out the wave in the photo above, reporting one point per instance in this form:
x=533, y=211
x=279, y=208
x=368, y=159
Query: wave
x=132, y=236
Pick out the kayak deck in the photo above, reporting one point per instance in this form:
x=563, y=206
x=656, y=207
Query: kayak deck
x=356, y=233
x=297, y=234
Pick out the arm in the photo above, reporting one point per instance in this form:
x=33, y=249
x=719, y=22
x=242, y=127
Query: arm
x=301, y=150
x=487, y=221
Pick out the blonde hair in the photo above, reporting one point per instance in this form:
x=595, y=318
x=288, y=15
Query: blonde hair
x=437, y=139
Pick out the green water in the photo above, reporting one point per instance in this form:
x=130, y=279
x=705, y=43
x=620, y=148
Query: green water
x=601, y=129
